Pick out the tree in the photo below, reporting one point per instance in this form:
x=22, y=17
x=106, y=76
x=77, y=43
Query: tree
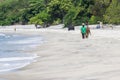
x=42, y=18
x=58, y=9
x=112, y=14
x=71, y=16
x=69, y=12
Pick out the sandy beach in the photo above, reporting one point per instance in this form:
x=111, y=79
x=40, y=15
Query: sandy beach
x=66, y=56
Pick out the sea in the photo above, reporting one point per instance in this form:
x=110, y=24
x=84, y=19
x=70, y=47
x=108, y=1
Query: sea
x=12, y=51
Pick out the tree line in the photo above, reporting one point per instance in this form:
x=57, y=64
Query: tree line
x=67, y=12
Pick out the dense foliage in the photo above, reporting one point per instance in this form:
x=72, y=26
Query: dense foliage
x=69, y=12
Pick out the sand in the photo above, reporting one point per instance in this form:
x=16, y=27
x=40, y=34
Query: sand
x=66, y=56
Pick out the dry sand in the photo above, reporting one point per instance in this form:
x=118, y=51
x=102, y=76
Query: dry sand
x=65, y=56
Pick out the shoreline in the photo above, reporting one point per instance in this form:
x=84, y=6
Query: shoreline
x=65, y=56
x=15, y=50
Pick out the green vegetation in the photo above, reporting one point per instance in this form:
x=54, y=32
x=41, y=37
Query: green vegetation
x=68, y=12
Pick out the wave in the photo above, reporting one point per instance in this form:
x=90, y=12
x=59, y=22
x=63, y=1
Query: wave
x=15, y=63
x=12, y=56
x=1, y=34
x=4, y=35
x=17, y=58
x=9, y=67
x=28, y=41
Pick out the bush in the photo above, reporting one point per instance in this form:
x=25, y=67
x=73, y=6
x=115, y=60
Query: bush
x=58, y=21
x=94, y=19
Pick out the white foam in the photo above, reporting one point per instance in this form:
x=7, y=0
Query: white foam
x=17, y=58
x=27, y=41
x=2, y=34
x=8, y=64
x=10, y=67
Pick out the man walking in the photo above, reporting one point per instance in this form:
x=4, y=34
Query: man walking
x=83, y=31
x=88, y=32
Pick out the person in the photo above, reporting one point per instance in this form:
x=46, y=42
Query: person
x=101, y=24
x=15, y=28
x=36, y=25
x=88, y=32
x=83, y=31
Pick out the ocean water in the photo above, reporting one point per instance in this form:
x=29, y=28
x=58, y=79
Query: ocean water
x=12, y=46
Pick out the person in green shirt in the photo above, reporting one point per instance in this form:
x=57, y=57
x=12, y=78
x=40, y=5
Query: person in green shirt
x=83, y=30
